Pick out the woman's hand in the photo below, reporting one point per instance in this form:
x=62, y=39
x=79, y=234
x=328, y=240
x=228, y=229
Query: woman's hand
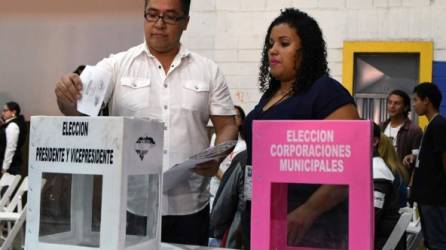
x=298, y=223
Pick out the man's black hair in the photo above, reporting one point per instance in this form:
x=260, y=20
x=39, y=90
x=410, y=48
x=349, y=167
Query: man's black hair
x=429, y=90
x=405, y=97
x=185, y=6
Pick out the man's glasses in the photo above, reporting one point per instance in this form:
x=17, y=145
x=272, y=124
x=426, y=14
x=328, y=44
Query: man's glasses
x=153, y=17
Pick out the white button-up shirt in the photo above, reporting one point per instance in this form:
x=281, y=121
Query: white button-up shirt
x=12, y=136
x=184, y=98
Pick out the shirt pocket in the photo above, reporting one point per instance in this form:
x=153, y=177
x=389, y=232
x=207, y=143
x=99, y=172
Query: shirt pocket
x=195, y=95
x=135, y=93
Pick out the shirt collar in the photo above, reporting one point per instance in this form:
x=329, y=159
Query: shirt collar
x=404, y=126
x=183, y=53
x=10, y=119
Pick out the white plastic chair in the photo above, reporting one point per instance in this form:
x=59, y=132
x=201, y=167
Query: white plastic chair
x=9, y=182
x=14, y=214
x=414, y=235
x=399, y=229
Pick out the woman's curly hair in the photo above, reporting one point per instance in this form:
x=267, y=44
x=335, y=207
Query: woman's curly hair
x=314, y=52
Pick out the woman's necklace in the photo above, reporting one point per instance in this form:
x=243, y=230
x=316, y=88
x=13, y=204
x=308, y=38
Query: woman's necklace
x=281, y=99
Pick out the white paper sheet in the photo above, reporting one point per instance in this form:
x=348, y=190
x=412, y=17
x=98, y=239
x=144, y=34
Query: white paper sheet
x=95, y=82
x=182, y=171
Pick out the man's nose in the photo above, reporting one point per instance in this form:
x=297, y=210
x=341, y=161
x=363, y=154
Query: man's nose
x=160, y=23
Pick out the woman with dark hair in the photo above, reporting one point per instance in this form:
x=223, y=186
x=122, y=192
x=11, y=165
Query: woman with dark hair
x=240, y=117
x=12, y=138
x=296, y=86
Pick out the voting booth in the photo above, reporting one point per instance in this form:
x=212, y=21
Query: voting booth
x=294, y=160
x=102, y=183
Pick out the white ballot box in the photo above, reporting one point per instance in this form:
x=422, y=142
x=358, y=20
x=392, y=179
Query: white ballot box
x=102, y=179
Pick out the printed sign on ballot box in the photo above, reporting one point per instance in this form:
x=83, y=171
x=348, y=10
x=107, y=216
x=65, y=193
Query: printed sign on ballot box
x=312, y=185
x=101, y=176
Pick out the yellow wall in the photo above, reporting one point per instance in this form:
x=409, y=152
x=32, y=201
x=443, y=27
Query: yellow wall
x=425, y=49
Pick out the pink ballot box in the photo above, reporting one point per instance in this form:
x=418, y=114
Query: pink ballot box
x=301, y=172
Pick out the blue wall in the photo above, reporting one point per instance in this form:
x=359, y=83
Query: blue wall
x=439, y=78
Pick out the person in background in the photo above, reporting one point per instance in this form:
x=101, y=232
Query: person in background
x=388, y=153
x=161, y=79
x=228, y=206
x=227, y=193
x=296, y=86
x=429, y=180
x=405, y=135
x=388, y=174
x=239, y=147
x=12, y=138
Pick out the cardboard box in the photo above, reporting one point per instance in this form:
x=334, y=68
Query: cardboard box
x=291, y=159
x=101, y=181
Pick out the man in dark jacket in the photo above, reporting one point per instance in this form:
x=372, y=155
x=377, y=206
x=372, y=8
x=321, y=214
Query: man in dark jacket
x=229, y=203
x=404, y=134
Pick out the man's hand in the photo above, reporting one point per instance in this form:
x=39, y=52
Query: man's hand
x=68, y=89
x=208, y=169
x=408, y=160
x=68, y=92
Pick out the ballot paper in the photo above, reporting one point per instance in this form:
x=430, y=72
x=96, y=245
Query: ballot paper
x=95, y=82
x=182, y=171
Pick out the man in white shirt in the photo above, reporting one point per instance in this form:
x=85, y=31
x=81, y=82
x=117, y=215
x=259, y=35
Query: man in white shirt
x=161, y=79
x=11, y=135
x=12, y=138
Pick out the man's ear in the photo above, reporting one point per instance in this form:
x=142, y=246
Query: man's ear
x=186, y=23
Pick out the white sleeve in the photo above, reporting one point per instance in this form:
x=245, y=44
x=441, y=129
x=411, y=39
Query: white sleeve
x=12, y=136
x=220, y=97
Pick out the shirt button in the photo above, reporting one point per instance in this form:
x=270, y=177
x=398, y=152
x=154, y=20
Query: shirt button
x=165, y=106
x=165, y=85
x=159, y=66
x=165, y=151
x=196, y=87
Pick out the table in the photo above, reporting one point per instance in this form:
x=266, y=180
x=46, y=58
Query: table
x=166, y=246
